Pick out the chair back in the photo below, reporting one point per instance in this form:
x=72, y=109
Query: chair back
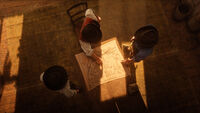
x=77, y=12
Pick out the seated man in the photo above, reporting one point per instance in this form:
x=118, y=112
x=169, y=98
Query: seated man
x=56, y=78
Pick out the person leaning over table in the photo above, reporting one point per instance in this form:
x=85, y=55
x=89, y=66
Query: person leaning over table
x=143, y=43
x=90, y=33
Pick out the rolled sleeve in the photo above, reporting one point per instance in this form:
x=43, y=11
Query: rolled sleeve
x=86, y=47
x=71, y=91
x=89, y=13
x=67, y=91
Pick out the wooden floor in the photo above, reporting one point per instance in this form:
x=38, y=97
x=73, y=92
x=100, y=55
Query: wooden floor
x=39, y=34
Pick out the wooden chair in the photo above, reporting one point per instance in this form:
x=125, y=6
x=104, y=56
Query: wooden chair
x=77, y=15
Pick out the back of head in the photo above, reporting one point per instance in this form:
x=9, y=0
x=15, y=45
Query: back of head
x=92, y=33
x=55, y=77
x=147, y=36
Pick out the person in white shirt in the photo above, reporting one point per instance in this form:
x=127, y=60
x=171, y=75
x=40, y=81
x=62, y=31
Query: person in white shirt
x=90, y=33
x=55, y=78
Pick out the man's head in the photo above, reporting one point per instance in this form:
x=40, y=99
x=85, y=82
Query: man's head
x=92, y=33
x=147, y=36
x=55, y=77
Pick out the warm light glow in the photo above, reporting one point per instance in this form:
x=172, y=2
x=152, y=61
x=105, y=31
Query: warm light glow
x=10, y=43
x=140, y=80
x=116, y=73
x=116, y=90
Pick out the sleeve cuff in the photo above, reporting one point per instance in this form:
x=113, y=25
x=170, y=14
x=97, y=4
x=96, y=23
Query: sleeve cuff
x=90, y=52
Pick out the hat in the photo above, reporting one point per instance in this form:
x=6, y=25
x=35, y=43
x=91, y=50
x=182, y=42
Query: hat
x=146, y=37
x=55, y=77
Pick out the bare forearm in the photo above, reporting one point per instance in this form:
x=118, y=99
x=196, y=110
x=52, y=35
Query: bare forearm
x=94, y=56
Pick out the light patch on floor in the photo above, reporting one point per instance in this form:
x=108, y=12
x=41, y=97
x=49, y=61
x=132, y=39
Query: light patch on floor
x=140, y=80
x=10, y=43
x=113, y=90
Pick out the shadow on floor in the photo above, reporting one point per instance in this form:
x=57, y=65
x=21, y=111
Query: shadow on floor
x=5, y=77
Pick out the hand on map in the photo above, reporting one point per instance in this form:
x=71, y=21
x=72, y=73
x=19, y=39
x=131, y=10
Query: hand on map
x=99, y=18
x=132, y=39
x=127, y=61
x=99, y=61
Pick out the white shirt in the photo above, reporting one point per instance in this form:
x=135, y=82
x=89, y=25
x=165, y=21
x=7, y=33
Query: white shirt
x=90, y=14
x=67, y=91
x=86, y=47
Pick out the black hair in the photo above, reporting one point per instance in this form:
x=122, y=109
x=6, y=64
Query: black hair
x=147, y=36
x=55, y=77
x=92, y=33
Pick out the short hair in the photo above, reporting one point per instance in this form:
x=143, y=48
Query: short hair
x=91, y=32
x=147, y=36
x=55, y=78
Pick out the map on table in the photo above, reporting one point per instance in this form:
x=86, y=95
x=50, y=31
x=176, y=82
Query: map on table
x=112, y=68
